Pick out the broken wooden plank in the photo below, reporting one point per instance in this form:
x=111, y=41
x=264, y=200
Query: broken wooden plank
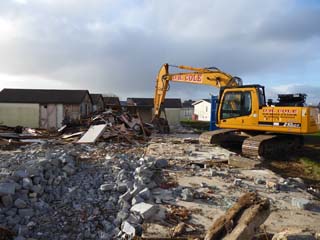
x=9, y=135
x=250, y=221
x=32, y=141
x=61, y=130
x=66, y=136
x=179, y=229
x=142, y=127
x=93, y=133
x=224, y=224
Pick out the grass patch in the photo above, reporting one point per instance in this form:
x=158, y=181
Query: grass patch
x=311, y=167
x=316, y=134
x=196, y=125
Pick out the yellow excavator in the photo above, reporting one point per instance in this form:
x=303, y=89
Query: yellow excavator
x=242, y=114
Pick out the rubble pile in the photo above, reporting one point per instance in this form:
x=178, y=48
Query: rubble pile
x=114, y=127
x=76, y=191
x=169, y=187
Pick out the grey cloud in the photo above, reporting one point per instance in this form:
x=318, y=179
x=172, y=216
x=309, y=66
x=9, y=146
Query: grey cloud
x=119, y=46
x=296, y=26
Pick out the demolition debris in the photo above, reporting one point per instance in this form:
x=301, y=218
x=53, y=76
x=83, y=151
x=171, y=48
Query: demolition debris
x=107, y=180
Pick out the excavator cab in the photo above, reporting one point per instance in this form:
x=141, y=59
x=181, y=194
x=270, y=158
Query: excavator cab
x=239, y=105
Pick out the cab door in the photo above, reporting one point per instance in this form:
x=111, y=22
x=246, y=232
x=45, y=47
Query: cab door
x=236, y=108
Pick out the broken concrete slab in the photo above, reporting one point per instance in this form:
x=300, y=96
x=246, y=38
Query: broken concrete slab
x=300, y=203
x=106, y=187
x=242, y=162
x=69, y=169
x=21, y=173
x=19, y=203
x=128, y=228
x=187, y=194
x=7, y=189
x=136, y=200
x=27, y=212
x=93, y=133
x=161, y=163
x=294, y=235
x=145, y=210
x=306, y=204
x=145, y=194
x=7, y=200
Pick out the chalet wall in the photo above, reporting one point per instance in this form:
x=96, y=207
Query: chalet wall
x=51, y=116
x=86, y=106
x=23, y=114
x=71, y=111
x=203, y=110
x=173, y=116
x=186, y=113
x=99, y=106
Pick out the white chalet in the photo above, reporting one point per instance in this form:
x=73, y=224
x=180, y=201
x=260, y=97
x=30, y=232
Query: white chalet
x=202, y=109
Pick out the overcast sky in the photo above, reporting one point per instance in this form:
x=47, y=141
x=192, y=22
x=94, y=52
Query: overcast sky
x=110, y=46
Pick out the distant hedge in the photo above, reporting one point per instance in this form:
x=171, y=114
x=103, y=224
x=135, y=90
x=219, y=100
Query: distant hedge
x=198, y=125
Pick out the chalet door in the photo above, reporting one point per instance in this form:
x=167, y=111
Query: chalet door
x=48, y=116
x=59, y=115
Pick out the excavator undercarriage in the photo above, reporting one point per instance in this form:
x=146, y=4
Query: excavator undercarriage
x=254, y=144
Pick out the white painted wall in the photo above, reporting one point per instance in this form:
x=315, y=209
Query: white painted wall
x=202, y=109
x=22, y=114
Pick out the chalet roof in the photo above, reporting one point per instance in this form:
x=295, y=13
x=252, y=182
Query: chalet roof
x=148, y=102
x=188, y=103
x=42, y=96
x=200, y=101
x=95, y=97
x=123, y=103
x=111, y=101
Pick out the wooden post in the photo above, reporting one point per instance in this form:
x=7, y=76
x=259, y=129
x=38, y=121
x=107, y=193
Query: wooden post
x=243, y=213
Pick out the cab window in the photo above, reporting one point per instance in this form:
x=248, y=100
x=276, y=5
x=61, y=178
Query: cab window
x=236, y=104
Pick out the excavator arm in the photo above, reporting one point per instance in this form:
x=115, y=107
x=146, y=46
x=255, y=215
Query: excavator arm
x=204, y=76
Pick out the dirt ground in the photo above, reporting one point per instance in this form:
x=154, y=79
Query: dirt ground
x=305, y=163
x=216, y=190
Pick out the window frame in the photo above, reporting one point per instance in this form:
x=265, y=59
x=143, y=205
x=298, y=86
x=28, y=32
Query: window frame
x=241, y=110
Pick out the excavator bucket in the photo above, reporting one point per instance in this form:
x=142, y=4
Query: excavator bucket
x=161, y=125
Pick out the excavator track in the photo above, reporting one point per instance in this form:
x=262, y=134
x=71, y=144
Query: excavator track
x=262, y=146
x=253, y=146
x=211, y=136
x=270, y=146
x=226, y=138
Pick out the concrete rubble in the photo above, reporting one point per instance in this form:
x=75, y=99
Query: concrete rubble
x=76, y=191
x=118, y=190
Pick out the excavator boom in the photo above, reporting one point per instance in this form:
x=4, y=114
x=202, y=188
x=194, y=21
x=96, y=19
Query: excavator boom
x=204, y=76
